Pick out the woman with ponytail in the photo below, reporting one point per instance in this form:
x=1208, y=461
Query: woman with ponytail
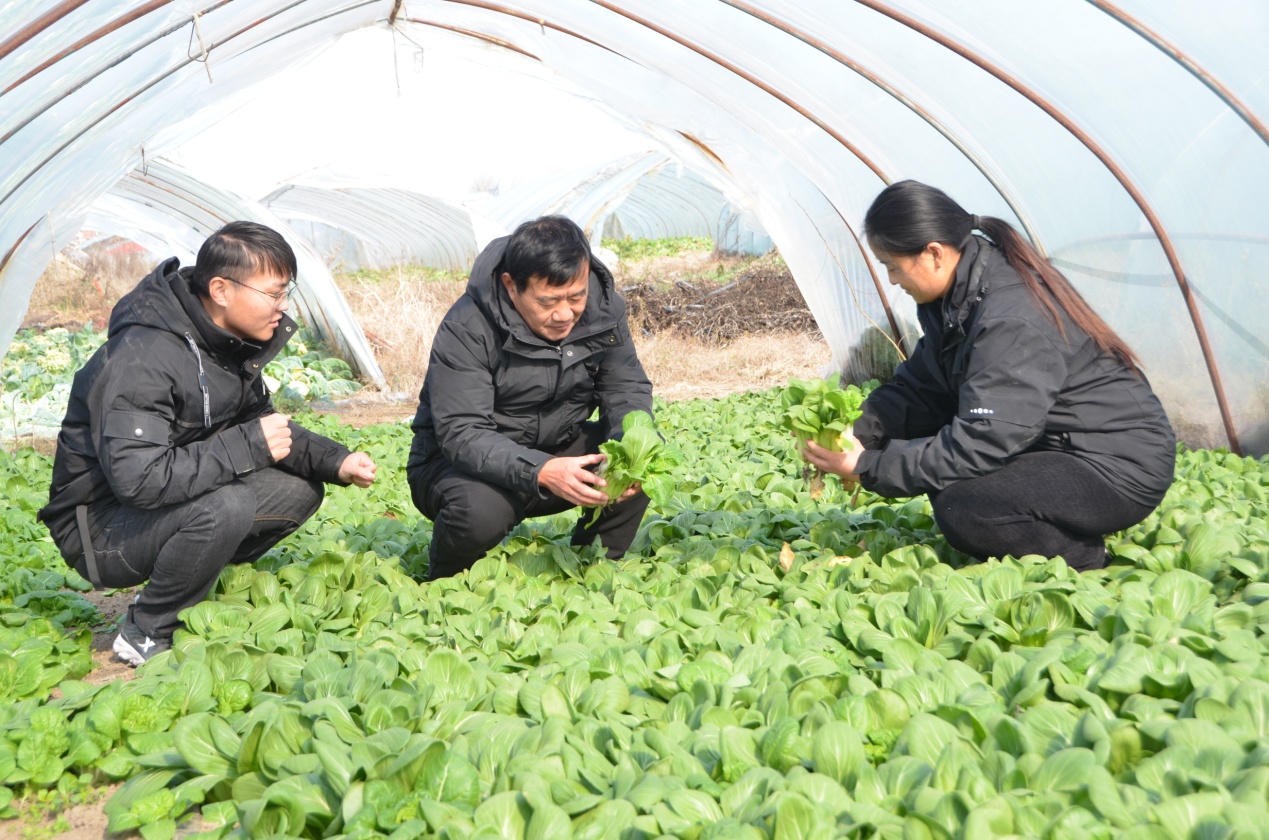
x=1021, y=413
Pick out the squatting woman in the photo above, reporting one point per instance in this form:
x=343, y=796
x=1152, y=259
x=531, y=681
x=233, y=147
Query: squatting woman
x=1021, y=413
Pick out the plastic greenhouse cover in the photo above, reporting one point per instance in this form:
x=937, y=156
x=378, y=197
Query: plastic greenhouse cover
x=355, y=225
x=376, y=227
x=671, y=200
x=1127, y=140
x=170, y=213
x=644, y=195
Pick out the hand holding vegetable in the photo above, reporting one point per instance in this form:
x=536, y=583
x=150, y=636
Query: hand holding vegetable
x=820, y=414
x=842, y=464
x=568, y=478
x=640, y=460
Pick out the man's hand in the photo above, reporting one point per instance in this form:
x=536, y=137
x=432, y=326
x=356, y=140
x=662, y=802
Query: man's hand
x=277, y=435
x=839, y=463
x=631, y=491
x=569, y=479
x=359, y=469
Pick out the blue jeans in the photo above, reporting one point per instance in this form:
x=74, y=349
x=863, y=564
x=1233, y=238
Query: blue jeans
x=181, y=549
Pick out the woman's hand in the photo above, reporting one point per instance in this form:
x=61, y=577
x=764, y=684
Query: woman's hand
x=841, y=464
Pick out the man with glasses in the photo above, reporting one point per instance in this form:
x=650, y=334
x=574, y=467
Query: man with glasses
x=171, y=462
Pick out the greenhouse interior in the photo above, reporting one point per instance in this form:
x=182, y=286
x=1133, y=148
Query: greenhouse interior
x=766, y=661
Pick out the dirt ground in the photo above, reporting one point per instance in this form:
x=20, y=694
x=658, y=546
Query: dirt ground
x=83, y=821
x=113, y=606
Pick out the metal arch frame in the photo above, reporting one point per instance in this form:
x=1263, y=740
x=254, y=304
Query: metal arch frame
x=542, y=22
x=117, y=23
x=885, y=179
x=877, y=7
x=123, y=20
x=1115, y=170
x=1191, y=66
x=353, y=210
x=38, y=25
x=720, y=61
x=480, y=36
x=161, y=76
x=164, y=75
x=1014, y=204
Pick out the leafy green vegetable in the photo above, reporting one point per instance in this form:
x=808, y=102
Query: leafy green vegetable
x=638, y=457
x=821, y=411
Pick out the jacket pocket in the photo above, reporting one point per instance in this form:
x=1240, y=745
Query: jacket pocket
x=137, y=425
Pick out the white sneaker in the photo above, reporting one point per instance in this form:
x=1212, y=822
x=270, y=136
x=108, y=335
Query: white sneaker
x=134, y=646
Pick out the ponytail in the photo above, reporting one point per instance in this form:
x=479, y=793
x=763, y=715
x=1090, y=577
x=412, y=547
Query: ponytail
x=1053, y=291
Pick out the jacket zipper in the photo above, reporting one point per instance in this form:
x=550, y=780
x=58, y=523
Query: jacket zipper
x=202, y=382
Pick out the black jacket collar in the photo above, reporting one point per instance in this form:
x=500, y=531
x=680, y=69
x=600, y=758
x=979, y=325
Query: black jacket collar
x=602, y=312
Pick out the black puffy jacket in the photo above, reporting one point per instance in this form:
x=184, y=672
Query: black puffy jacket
x=993, y=377
x=497, y=399
x=164, y=411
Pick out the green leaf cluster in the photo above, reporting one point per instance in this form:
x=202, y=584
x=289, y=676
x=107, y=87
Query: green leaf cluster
x=821, y=410
x=671, y=246
x=639, y=456
x=305, y=370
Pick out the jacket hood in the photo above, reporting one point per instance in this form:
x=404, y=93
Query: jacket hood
x=154, y=303
x=603, y=306
x=164, y=301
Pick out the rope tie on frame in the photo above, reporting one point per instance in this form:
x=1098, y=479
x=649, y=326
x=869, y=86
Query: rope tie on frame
x=202, y=57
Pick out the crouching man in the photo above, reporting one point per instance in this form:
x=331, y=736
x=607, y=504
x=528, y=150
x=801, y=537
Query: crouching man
x=171, y=462
x=537, y=342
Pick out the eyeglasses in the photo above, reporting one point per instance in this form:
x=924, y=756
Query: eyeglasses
x=277, y=297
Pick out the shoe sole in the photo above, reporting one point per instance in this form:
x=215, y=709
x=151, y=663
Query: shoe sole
x=127, y=652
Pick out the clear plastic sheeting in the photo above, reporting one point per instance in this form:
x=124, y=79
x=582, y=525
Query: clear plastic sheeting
x=674, y=201
x=1127, y=139
x=356, y=227
x=89, y=91
x=171, y=213
x=648, y=196
x=586, y=196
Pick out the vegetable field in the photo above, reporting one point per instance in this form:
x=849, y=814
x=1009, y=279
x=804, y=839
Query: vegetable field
x=762, y=665
x=36, y=372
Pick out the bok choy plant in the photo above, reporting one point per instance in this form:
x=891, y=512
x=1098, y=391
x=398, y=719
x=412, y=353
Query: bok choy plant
x=822, y=411
x=640, y=456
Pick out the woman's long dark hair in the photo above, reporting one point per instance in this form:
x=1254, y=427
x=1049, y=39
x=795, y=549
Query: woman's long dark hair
x=909, y=215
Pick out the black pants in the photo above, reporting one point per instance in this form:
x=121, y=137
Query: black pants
x=470, y=516
x=1047, y=503
x=180, y=549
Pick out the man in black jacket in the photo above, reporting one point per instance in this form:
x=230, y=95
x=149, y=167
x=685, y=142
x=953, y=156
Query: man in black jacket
x=536, y=344
x=171, y=462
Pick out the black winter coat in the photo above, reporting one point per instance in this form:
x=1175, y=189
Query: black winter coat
x=164, y=411
x=994, y=377
x=498, y=399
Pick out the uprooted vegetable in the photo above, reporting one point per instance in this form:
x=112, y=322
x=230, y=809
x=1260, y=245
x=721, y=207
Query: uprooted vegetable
x=639, y=457
x=821, y=411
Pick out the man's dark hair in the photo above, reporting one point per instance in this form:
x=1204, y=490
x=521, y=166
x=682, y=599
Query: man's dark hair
x=551, y=247
x=240, y=250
